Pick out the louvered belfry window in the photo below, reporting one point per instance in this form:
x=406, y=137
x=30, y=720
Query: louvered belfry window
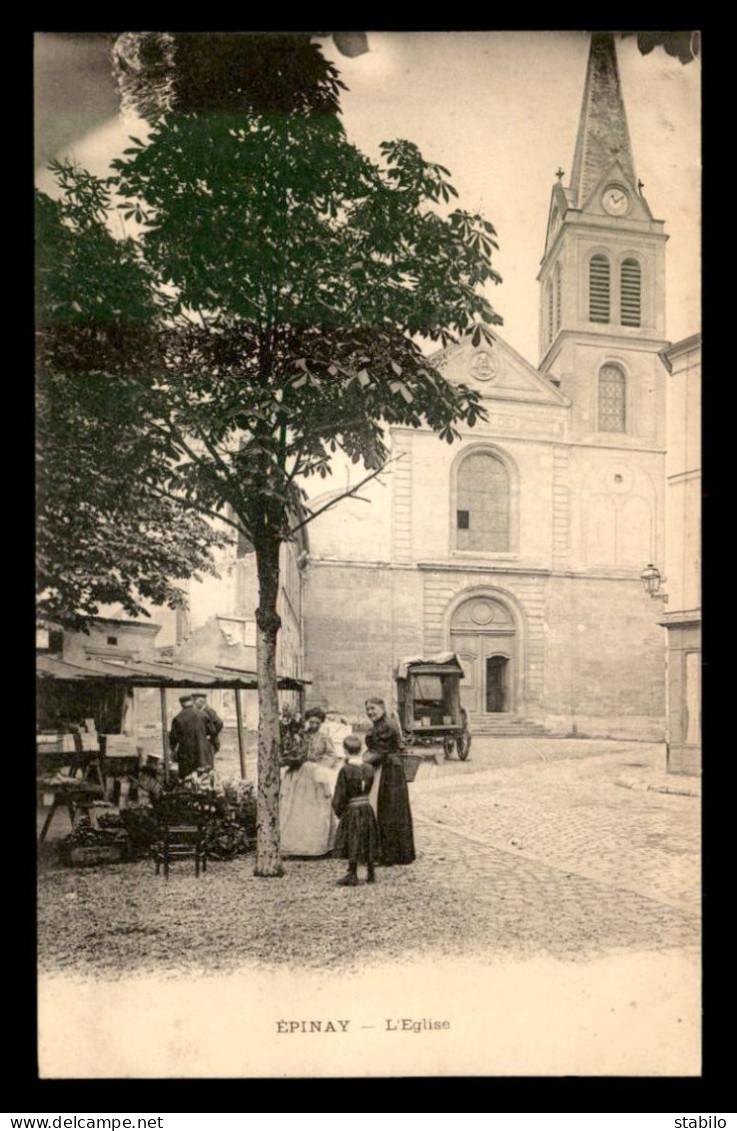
x=558, y=298
x=631, y=290
x=549, y=297
x=599, y=289
x=612, y=399
x=482, y=515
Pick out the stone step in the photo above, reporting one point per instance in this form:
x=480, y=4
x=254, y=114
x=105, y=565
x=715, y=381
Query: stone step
x=503, y=724
x=516, y=723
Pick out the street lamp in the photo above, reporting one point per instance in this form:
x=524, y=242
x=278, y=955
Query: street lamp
x=651, y=580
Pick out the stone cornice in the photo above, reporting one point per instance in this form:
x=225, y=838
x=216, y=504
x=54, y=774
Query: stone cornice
x=507, y=438
x=677, y=349
x=686, y=618
x=479, y=568
x=606, y=338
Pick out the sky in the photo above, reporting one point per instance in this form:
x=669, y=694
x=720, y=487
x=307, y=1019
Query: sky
x=499, y=109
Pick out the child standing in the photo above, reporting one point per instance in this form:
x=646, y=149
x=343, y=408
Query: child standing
x=357, y=838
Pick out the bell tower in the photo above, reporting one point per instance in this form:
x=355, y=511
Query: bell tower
x=602, y=276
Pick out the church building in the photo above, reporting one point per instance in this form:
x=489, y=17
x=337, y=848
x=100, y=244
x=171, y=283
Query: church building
x=520, y=546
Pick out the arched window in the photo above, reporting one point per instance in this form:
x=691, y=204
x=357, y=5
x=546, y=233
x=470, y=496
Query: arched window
x=599, y=289
x=558, y=298
x=549, y=311
x=482, y=503
x=630, y=292
x=612, y=399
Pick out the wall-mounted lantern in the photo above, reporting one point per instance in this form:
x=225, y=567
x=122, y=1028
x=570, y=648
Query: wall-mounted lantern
x=651, y=580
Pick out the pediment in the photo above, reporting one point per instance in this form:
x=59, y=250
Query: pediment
x=497, y=371
x=621, y=183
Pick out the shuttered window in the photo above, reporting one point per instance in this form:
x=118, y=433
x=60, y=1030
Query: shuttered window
x=482, y=513
x=599, y=289
x=631, y=289
x=612, y=399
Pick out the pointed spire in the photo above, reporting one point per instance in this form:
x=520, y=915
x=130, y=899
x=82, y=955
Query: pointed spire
x=603, y=137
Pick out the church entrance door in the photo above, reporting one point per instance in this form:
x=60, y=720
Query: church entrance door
x=496, y=683
x=484, y=636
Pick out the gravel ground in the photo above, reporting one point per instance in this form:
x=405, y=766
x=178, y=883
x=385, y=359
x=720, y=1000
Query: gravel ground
x=560, y=863
x=123, y=917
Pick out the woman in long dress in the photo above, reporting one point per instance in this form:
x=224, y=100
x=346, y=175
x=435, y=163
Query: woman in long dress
x=319, y=745
x=306, y=819
x=383, y=750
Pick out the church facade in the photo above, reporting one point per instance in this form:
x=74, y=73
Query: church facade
x=521, y=546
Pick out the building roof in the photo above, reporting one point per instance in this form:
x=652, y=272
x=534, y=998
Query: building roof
x=153, y=673
x=675, y=349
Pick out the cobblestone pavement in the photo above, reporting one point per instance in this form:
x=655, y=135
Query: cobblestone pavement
x=542, y=855
x=525, y=906
x=489, y=752
x=550, y=913
x=568, y=819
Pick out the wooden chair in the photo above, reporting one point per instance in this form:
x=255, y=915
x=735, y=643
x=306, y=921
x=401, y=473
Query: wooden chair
x=183, y=822
x=179, y=842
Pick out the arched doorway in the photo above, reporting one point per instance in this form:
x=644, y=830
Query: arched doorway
x=497, y=690
x=483, y=633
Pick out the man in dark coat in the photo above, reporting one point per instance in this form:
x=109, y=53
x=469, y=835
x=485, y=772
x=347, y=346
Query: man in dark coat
x=188, y=738
x=213, y=724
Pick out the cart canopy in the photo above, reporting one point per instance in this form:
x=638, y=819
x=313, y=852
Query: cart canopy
x=441, y=664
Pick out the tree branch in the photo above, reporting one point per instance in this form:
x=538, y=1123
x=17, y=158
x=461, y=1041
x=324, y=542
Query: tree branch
x=172, y=432
x=345, y=494
x=297, y=461
x=196, y=507
x=228, y=472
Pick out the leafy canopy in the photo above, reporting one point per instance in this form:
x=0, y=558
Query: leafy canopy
x=294, y=277
x=263, y=312
x=103, y=536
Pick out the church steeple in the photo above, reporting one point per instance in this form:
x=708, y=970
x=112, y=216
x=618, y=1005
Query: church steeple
x=603, y=137
x=602, y=274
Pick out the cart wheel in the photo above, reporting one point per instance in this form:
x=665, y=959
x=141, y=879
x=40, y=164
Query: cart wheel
x=448, y=745
x=463, y=745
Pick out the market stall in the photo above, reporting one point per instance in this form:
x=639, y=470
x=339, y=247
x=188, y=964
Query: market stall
x=84, y=701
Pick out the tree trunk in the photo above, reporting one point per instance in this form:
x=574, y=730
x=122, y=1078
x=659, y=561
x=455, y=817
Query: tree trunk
x=268, y=859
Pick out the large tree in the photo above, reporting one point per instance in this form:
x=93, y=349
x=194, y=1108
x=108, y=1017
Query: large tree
x=103, y=537
x=292, y=279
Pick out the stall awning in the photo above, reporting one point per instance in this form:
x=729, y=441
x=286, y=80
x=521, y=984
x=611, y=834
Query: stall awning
x=155, y=673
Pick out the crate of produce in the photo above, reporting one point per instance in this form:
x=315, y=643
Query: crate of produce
x=120, y=765
x=119, y=745
x=50, y=743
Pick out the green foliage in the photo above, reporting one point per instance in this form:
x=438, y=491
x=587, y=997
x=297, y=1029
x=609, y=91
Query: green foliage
x=684, y=45
x=104, y=536
x=265, y=316
x=223, y=72
x=295, y=276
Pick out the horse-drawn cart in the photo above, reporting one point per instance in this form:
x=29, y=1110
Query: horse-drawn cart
x=429, y=703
